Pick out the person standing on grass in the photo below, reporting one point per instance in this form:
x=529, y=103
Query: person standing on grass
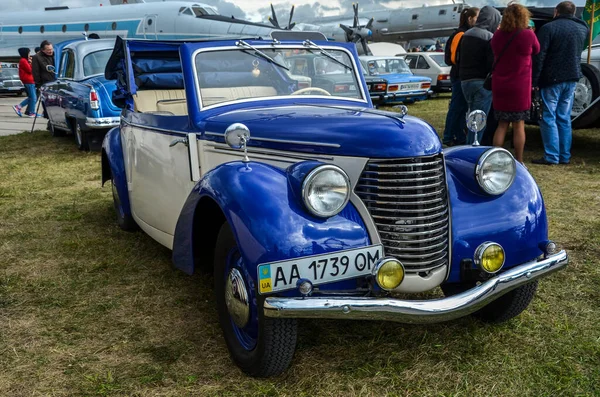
x=475, y=62
x=454, y=130
x=26, y=76
x=40, y=63
x=556, y=71
x=513, y=45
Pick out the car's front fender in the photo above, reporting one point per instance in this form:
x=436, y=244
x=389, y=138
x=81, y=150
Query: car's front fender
x=268, y=220
x=516, y=219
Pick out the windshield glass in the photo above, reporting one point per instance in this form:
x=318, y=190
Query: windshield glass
x=386, y=66
x=439, y=59
x=95, y=63
x=9, y=74
x=232, y=75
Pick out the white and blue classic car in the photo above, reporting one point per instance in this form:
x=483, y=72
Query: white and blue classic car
x=306, y=202
x=79, y=101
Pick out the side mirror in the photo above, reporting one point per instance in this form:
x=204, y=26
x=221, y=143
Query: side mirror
x=476, y=122
x=237, y=136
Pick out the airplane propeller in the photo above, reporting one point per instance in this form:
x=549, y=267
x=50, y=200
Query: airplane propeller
x=275, y=23
x=356, y=32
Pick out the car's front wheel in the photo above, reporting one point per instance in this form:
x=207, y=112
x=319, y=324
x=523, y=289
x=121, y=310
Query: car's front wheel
x=502, y=309
x=259, y=345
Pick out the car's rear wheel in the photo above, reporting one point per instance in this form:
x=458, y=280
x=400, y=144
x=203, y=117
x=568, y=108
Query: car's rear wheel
x=125, y=221
x=502, y=309
x=81, y=138
x=259, y=345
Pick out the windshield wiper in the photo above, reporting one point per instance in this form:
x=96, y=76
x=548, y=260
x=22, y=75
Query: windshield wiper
x=243, y=44
x=308, y=43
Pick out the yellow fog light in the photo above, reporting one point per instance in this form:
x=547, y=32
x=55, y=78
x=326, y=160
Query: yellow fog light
x=389, y=273
x=489, y=257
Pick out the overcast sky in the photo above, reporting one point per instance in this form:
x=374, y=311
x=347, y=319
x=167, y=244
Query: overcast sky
x=257, y=10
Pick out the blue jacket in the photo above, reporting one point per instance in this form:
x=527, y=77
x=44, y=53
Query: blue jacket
x=561, y=44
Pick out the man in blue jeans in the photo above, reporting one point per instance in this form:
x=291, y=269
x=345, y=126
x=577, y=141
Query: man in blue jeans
x=556, y=70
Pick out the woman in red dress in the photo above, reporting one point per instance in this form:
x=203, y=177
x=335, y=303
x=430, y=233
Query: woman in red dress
x=511, y=79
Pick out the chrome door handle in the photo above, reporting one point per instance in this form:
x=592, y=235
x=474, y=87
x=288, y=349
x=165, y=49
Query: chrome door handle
x=178, y=140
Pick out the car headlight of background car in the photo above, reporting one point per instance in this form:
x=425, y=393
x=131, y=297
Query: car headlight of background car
x=326, y=190
x=495, y=171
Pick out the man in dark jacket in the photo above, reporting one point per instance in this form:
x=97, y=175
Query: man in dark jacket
x=40, y=63
x=556, y=70
x=476, y=60
x=454, y=130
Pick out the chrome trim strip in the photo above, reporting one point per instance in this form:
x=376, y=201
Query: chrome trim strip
x=417, y=311
x=419, y=241
x=406, y=180
x=334, y=145
x=411, y=233
x=404, y=195
x=411, y=218
x=151, y=128
x=373, y=163
x=430, y=186
x=103, y=122
x=416, y=249
x=404, y=226
x=394, y=173
x=223, y=148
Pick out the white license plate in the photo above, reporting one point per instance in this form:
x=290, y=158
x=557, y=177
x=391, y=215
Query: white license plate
x=413, y=86
x=319, y=269
x=14, y=88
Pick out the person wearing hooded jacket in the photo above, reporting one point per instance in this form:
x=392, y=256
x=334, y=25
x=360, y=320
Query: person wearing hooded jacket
x=26, y=76
x=556, y=71
x=454, y=130
x=476, y=60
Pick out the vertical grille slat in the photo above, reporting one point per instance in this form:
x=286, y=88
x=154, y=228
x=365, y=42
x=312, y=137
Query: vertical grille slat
x=408, y=200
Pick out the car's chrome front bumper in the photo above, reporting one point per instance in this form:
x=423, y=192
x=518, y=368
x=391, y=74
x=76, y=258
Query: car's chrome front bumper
x=103, y=122
x=417, y=311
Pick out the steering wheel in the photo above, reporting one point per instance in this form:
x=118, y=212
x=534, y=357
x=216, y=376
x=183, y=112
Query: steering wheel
x=309, y=89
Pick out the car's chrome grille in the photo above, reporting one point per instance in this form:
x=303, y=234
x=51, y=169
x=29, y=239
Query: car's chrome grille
x=408, y=201
x=12, y=83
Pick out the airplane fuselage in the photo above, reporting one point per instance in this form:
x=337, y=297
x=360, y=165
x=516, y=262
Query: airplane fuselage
x=163, y=20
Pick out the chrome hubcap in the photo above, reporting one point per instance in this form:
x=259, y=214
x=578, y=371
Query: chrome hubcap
x=583, y=96
x=236, y=298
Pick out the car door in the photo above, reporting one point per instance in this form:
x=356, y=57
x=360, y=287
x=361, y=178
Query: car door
x=162, y=167
x=60, y=89
x=424, y=69
x=51, y=94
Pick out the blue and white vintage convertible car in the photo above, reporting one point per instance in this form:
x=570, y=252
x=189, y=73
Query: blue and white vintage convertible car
x=80, y=99
x=306, y=203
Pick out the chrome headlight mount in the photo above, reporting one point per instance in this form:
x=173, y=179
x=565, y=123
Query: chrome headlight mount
x=495, y=171
x=326, y=190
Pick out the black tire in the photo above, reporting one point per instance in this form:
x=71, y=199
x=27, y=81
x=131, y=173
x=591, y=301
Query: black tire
x=55, y=132
x=20, y=93
x=125, y=221
x=502, y=309
x=276, y=341
x=80, y=135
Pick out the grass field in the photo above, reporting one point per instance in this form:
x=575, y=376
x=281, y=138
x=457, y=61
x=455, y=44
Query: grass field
x=87, y=309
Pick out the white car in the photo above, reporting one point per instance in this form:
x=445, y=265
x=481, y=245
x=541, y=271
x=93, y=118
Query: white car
x=432, y=65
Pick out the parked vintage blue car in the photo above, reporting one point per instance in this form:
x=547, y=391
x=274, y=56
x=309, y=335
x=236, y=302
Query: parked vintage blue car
x=306, y=203
x=80, y=100
x=403, y=86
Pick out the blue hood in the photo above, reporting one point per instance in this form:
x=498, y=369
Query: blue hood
x=347, y=131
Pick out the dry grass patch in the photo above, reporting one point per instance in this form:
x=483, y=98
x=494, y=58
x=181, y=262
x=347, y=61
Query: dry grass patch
x=86, y=309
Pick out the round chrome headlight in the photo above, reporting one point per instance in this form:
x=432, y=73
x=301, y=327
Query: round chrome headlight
x=495, y=171
x=326, y=190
